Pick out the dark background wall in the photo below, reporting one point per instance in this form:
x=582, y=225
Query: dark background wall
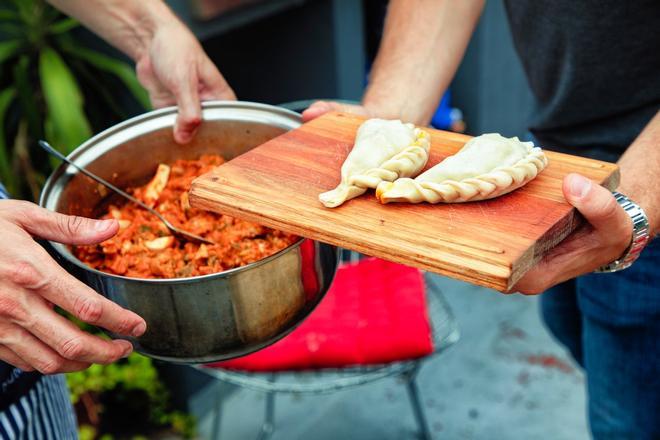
x=287, y=50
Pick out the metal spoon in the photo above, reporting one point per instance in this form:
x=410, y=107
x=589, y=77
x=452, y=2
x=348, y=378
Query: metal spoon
x=175, y=231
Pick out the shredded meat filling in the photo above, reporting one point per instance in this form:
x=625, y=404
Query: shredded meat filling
x=144, y=248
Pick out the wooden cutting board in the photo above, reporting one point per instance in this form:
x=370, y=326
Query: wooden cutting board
x=490, y=243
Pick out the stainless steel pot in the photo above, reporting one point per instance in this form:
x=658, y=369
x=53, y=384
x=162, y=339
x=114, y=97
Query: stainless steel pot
x=205, y=318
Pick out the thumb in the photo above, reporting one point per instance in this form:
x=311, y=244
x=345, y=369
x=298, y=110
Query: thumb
x=597, y=205
x=321, y=107
x=65, y=229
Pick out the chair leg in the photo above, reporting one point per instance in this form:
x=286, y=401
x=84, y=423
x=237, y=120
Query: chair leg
x=217, y=417
x=268, y=427
x=416, y=403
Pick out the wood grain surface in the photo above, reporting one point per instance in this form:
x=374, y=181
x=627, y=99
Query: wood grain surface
x=490, y=243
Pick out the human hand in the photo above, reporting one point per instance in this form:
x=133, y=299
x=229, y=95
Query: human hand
x=601, y=240
x=321, y=107
x=33, y=336
x=175, y=70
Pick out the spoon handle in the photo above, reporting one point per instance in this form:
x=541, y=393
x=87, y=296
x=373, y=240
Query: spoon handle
x=46, y=146
x=176, y=231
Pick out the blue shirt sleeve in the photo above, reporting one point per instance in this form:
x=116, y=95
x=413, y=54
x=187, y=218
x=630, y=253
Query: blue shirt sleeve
x=3, y=192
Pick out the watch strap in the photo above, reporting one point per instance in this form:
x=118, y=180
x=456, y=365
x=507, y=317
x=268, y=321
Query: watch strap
x=640, y=235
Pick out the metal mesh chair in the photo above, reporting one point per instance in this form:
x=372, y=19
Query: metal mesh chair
x=444, y=334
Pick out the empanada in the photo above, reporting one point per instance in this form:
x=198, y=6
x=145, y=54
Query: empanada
x=384, y=150
x=487, y=166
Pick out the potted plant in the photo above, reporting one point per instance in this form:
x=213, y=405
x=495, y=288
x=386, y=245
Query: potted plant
x=126, y=400
x=52, y=86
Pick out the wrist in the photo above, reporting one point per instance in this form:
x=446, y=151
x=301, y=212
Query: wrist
x=640, y=235
x=377, y=105
x=389, y=109
x=141, y=24
x=126, y=24
x=649, y=203
x=385, y=100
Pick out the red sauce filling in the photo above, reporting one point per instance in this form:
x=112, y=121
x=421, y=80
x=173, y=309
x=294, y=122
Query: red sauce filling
x=144, y=248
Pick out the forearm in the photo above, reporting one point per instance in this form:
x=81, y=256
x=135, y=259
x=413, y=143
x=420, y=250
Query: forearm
x=421, y=49
x=640, y=172
x=126, y=24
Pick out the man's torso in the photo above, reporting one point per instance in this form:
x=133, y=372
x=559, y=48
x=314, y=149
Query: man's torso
x=594, y=68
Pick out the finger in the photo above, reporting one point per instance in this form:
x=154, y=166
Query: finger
x=563, y=262
x=190, y=112
x=8, y=356
x=581, y=252
x=36, y=353
x=55, y=285
x=160, y=100
x=599, y=208
x=67, y=229
x=159, y=95
x=92, y=308
x=601, y=241
x=68, y=340
x=321, y=107
x=315, y=110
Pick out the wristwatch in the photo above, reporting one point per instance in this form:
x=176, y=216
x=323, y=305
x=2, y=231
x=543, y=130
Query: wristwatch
x=640, y=235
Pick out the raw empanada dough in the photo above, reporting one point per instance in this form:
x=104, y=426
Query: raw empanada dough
x=384, y=150
x=487, y=166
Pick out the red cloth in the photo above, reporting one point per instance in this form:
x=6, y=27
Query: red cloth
x=375, y=312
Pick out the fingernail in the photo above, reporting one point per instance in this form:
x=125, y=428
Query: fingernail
x=103, y=225
x=579, y=186
x=127, y=351
x=139, y=329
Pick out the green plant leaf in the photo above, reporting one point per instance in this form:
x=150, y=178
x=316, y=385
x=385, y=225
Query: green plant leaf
x=8, y=15
x=62, y=26
x=6, y=175
x=11, y=29
x=26, y=8
x=86, y=432
x=91, y=77
x=118, y=68
x=136, y=373
x=8, y=49
x=27, y=98
x=66, y=124
x=48, y=12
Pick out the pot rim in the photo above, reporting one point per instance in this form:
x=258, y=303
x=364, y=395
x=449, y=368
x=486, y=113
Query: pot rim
x=57, y=173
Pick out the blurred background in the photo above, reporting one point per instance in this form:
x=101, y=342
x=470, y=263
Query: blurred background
x=61, y=82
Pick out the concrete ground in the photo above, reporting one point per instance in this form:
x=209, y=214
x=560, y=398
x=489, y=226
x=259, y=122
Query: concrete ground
x=504, y=379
